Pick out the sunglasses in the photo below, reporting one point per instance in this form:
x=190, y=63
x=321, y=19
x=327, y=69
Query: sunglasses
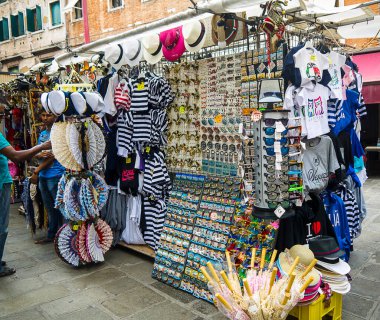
x=271, y=141
x=270, y=131
x=270, y=151
x=272, y=122
x=274, y=196
x=278, y=187
x=272, y=160
x=274, y=205
x=273, y=177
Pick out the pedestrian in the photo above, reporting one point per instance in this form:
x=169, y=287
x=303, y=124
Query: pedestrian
x=7, y=151
x=47, y=175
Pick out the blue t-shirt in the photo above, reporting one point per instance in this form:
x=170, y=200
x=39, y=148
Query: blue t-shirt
x=56, y=169
x=5, y=176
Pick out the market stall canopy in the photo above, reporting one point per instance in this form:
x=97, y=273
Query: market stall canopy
x=367, y=29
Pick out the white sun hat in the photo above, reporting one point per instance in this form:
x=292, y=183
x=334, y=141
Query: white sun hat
x=194, y=34
x=152, y=48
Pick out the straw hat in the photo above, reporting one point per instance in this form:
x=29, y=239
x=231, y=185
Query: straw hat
x=305, y=255
x=152, y=48
x=194, y=34
x=115, y=55
x=173, y=44
x=134, y=52
x=223, y=31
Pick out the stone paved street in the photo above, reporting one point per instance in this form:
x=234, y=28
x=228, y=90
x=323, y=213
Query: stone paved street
x=122, y=288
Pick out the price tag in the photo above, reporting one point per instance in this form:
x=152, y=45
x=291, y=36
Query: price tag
x=277, y=147
x=298, y=203
x=147, y=149
x=278, y=157
x=218, y=118
x=241, y=128
x=277, y=135
x=278, y=166
x=182, y=109
x=280, y=127
x=128, y=160
x=141, y=86
x=75, y=227
x=279, y=211
x=313, y=57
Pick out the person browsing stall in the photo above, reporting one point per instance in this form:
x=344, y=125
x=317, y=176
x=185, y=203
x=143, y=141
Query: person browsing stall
x=47, y=175
x=8, y=152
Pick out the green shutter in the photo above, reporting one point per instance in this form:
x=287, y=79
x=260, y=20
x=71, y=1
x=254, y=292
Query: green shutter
x=14, y=26
x=6, y=28
x=1, y=31
x=21, y=27
x=39, y=17
x=30, y=20
x=55, y=9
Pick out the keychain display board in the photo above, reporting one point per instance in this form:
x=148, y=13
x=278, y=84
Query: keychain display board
x=196, y=230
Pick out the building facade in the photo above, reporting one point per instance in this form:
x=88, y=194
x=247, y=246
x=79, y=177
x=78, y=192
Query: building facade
x=31, y=31
x=109, y=17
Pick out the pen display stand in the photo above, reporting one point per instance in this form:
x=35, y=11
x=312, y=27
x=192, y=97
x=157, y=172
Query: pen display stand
x=272, y=164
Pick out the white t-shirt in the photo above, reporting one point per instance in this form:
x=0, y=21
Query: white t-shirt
x=296, y=115
x=311, y=64
x=336, y=61
x=314, y=102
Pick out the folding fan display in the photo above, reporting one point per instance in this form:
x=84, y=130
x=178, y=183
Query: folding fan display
x=93, y=244
x=105, y=235
x=81, y=196
x=81, y=244
x=100, y=142
x=67, y=245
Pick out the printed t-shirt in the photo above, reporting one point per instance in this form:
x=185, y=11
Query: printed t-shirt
x=336, y=61
x=314, y=102
x=319, y=161
x=5, y=176
x=56, y=169
x=311, y=64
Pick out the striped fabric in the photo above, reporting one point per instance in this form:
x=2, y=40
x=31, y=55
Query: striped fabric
x=122, y=95
x=155, y=214
x=124, y=133
x=139, y=95
x=362, y=110
x=142, y=126
x=353, y=212
x=160, y=94
x=333, y=107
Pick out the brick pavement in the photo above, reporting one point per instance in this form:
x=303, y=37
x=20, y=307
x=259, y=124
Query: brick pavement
x=122, y=288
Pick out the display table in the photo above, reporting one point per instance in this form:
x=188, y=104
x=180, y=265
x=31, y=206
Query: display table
x=317, y=310
x=143, y=249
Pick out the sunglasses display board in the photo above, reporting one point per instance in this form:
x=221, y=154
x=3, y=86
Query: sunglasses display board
x=196, y=230
x=205, y=116
x=272, y=162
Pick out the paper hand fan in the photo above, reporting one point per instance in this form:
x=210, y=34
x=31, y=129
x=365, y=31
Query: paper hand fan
x=93, y=245
x=105, y=235
x=75, y=143
x=81, y=244
x=100, y=142
x=101, y=189
x=91, y=147
x=67, y=246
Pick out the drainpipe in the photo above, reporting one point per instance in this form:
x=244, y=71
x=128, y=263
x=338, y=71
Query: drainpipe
x=85, y=22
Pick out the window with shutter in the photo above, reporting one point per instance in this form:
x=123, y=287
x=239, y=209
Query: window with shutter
x=5, y=29
x=55, y=12
x=17, y=25
x=78, y=12
x=34, y=19
x=116, y=3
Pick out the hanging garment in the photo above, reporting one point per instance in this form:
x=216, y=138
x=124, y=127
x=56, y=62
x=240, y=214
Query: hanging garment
x=114, y=213
x=132, y=233
x=352, y=210
x=336, y=211
x=310, y=221
x=154, y=217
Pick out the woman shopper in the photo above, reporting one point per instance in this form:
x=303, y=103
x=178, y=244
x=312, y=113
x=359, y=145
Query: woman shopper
x=7, y=151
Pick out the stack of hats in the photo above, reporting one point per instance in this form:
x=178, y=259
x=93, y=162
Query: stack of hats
x=334, y=270
x=72, y=104
x=306, y=258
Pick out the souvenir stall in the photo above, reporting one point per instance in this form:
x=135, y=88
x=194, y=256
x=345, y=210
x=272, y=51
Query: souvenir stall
x=232, y=158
